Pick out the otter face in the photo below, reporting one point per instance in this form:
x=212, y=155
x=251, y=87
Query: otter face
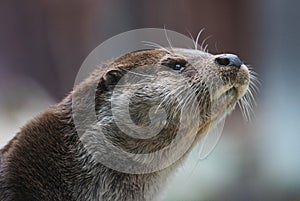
x=175, y=81
x=157, y=104
x=218, y=82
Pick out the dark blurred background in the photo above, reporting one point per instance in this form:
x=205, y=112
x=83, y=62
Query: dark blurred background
x=44, y=42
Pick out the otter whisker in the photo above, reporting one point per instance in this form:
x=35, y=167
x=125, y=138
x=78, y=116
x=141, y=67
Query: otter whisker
x=202, y=101
x=177, y=94
x=247, y=102
x=247, y=107
x=243, y=109
x=190, y=101
x=203, y=91
x=203, y=42
x=156, y=45
x=197, y=39
x=183, y=101
x=251, y=96
x=130, y=85
x=249, y=110
x=216, y=47
x=205, y=49
x=167, y=98
x=254, y=82
x=168, y=39
x=241, y=106
x=192, y=38
x=135, y=73
x=139, y=83
x=254, y=87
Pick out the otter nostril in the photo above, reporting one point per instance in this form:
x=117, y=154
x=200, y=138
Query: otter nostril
x=229, y=60
x=222, y=61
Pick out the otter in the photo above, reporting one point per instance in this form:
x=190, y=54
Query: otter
x=49, y=160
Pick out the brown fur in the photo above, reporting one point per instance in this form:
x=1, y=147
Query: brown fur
x=46, y=160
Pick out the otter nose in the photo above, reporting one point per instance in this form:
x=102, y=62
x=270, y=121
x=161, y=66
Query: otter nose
x=229, y=60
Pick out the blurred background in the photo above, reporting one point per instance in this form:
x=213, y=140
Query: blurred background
x=44, y=42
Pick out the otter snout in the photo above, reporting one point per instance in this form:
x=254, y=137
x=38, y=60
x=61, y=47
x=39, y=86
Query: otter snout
x=228, y=60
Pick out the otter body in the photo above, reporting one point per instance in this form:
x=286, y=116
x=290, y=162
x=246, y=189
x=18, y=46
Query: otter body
x=47, y=160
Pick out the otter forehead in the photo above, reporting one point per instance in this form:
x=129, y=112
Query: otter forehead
x=191, y=54
x=153, y=56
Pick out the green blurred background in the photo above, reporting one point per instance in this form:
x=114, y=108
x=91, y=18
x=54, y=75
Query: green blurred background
x=44, y=42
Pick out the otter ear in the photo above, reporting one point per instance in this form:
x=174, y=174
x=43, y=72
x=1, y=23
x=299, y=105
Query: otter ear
x=111, y=78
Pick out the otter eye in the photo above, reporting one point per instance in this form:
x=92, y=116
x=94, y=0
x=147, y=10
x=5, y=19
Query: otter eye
x=179, y=67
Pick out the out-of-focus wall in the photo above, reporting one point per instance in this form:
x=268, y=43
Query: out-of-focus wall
x=48, y=40
x=43, y=43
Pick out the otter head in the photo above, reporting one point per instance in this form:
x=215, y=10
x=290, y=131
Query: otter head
x=161, y=102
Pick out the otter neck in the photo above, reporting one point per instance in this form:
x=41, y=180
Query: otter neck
x=90, y=180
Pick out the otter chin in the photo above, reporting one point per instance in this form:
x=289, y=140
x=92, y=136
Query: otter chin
x=149, y=108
